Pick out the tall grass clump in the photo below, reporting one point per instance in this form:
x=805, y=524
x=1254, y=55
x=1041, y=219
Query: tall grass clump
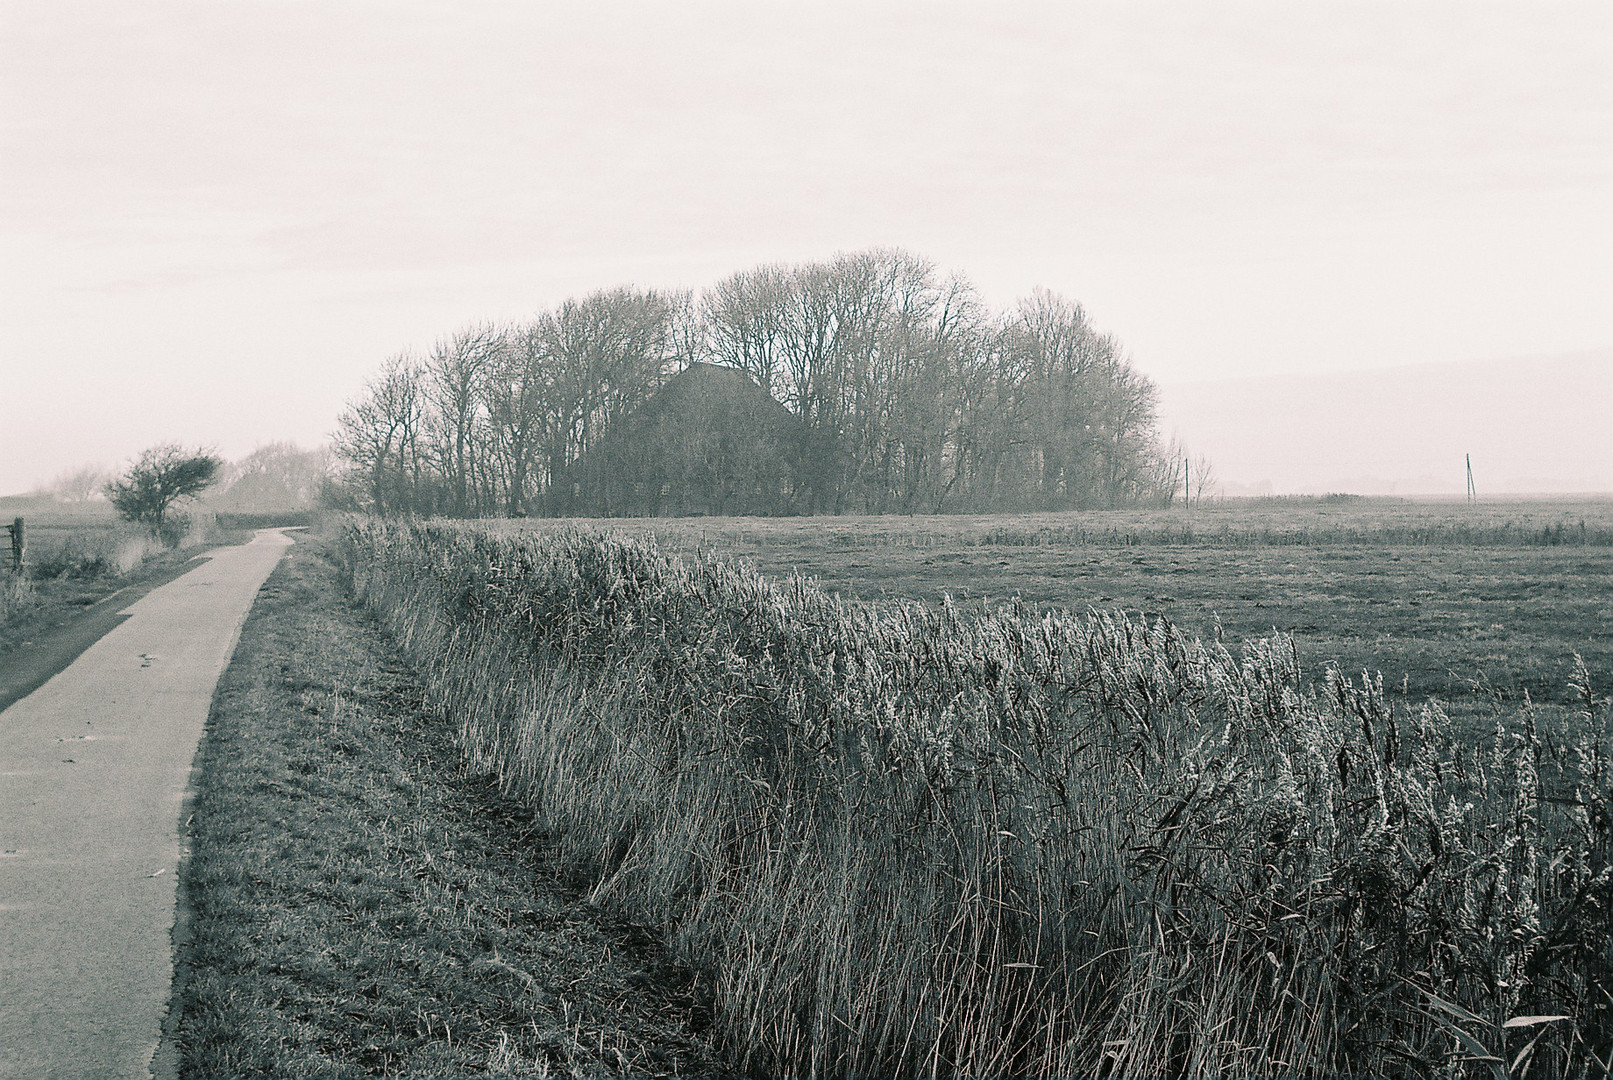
x=909, y=842
x=91, y=553
x=17, y=595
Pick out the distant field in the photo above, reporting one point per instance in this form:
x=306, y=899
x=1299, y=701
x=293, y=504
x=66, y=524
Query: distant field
x=79, y=541
x=44, y=514
x=53, y=529
x=48, y=530
x=1445, y=599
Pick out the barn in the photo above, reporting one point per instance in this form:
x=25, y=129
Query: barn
x=711, y=441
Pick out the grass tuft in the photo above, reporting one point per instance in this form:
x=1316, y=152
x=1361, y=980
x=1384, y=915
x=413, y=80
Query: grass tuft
x=17, y=597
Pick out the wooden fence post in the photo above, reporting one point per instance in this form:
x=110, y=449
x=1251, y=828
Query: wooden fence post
x=18, y=548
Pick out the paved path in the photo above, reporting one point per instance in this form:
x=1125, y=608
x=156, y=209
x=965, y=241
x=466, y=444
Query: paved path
x=94, y=769
x=28, y=665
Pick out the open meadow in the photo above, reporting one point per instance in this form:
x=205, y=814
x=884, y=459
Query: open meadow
x=1472, y=604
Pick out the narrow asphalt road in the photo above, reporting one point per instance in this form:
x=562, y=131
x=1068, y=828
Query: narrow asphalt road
x=94, y=770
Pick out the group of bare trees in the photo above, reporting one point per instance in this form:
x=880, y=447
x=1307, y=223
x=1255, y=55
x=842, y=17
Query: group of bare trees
x=275, y=477
x=905, y=392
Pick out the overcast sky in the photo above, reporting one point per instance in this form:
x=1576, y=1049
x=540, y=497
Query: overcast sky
x=217, y=219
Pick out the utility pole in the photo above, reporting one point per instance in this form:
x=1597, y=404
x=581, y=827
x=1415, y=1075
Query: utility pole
x=1187, y=485
x=1472, y=492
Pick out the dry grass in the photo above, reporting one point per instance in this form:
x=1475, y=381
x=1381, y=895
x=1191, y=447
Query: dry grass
x=903, y=840
x=18, y=599
x=1297, y=521
x=363, y=906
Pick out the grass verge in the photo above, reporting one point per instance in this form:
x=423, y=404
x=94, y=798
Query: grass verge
x=362, y=905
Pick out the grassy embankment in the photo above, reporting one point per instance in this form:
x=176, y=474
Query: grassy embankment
x=362, y=906
x=917, y=840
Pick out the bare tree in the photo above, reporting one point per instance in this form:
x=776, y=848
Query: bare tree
x=455, y=388
x=379, y=437
x=1124, y=426
x=610, y=351
x=519, y=396
x=1201, y=476
x=849, y=346
x=275, y=476
x=744, y=316
x=1167, y=471
x=80, y=485
x=1083, y=417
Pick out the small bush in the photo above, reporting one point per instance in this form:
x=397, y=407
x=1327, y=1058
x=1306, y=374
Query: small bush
x=906, y=842
x=85, y=553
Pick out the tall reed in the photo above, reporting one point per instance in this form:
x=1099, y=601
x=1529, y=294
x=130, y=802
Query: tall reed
x=901, y=841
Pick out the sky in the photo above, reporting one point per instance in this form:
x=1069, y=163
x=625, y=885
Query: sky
x=217, y=219
x=1536, y=427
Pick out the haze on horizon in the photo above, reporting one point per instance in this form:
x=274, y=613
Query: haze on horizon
x=218, y=220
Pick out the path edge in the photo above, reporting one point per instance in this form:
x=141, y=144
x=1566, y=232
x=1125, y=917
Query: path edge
x=166, y=1059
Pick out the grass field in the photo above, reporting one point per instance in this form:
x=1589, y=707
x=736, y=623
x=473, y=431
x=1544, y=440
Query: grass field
x=1466, y=603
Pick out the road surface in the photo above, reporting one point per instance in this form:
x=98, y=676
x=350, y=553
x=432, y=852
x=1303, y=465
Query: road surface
x=94, y=770
x=30, y=664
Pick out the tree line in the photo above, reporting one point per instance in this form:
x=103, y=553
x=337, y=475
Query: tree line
x=904, y=393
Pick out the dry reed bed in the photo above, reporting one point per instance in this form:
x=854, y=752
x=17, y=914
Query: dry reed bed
x=914, y=842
